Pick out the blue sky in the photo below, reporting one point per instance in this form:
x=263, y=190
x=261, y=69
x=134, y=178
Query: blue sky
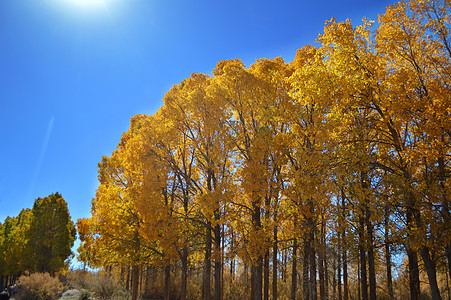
x=73, y=74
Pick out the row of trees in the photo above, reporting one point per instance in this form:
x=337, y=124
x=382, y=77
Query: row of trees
x=37, y=240
x=334, y=162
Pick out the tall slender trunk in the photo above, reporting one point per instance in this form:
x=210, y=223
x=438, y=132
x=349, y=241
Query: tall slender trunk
x=259, y=279
x=284, y=265
x=294, y=270
x=253, y=275
x=218, y=262
x=207, y=264
x=322, y=288
x=232, y=260
x=312, y=257
x=266, y=276
x=359, y=289
x=326, y=273
x=135, y=282
x=345, y=275
x=414, y=274
x=445, y=211
x=266, y=256
x=217, y=242
x=388, y=253
x=431, y=270
x=148, y=279
x=127, y=284
x=222, y=261
x=368, y=240
x=448, y=258
x=274, y=265
x=305, y=270
x=312, y=253
x=184, y=260
x=334, y=277
x=257, y=269
x=321, y=260
x=344, y=250
x=363, y=274
x=246, y=278
x=339, y=267
x=371, y=268
x=167, y=282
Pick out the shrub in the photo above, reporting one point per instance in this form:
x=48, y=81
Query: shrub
x=79, y=279
x=39, y=286
x=107, y=286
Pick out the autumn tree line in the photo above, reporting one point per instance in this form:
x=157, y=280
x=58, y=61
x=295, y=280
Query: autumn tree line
x=37, y=240
x=314, y=174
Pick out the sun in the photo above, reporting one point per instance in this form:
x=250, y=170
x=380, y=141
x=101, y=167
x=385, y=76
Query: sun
x=91, y=4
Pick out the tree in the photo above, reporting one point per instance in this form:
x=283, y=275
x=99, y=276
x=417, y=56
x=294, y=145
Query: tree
x=51, y=235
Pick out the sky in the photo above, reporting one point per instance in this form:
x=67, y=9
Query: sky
x=74, y=72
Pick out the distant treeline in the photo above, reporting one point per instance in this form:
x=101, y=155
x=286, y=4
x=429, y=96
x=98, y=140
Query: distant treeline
x=37, y=240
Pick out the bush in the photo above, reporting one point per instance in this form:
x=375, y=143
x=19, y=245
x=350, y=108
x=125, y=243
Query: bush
x=39, y=286
x=106, y=286
x=79, y=279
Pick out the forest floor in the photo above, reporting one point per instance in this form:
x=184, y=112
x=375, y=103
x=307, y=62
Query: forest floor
x=67, y=295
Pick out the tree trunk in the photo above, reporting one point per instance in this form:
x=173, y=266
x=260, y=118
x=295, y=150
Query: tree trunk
x=371, y=268
x=266, y=277
x=147, y=280
x=388, y=253
x=363, y=274
x=274, y=265
x=284, y=265
x=167, y=282
x=414, y=274
x=135, y=282
x=232, y=259
x=343, y=249
x=257, y=270
x=340, y=297
x=259, y=279
x=218, y=263
x=321, y=260
x=326, y=273
x=359, y=294
x=184, y=272
x=312, y=252
x=207, y=264
x=368, y=240
x=430, y=266
x=445, y=211
x=345, y=275
x=312, y=257
x=141, y=277
x=294, y=270
x=127, y=284
x=305, y=271
x=334, y=277
x=448, y=258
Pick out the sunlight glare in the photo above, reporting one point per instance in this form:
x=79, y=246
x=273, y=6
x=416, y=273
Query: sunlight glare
x=88, y=4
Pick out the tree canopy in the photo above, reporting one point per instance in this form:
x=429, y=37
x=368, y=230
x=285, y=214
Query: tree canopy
x=38, y=239
x=337, y=161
